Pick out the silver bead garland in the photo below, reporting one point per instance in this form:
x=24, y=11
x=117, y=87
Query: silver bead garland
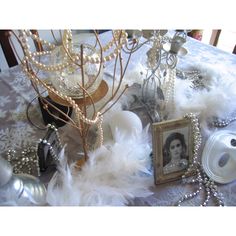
x=28, y=161
x=194, y=76
x=201, y=179
x=221, y=123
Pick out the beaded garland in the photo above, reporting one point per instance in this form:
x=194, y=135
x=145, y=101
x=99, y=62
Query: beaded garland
x=169, y=90
x=79, y=114
x=194, y=76
x=201, y=179
x=221, y=123
x=119, y=40
x=28, y=161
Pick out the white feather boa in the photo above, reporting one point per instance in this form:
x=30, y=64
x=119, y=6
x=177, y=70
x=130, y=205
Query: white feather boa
x=114, y=173
x=216, y=100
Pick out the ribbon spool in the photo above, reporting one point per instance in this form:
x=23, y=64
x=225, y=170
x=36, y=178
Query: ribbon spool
x=219, y=156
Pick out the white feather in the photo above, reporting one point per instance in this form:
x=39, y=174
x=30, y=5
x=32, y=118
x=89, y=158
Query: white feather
x=135, y=75
x=62, y=184
x=115, y=173
x=216, y=100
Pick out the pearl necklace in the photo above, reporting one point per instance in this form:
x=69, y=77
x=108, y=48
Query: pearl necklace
x=168, y=89
x=119, y=40
x=204, y=182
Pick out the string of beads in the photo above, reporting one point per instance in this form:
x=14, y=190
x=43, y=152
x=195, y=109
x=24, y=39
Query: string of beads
x=119, y=40
x=205, y=184
x=28, y=160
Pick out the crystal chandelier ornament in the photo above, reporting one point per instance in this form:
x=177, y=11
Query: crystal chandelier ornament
x=177, y=41
x=164, y=48
x=159, y=81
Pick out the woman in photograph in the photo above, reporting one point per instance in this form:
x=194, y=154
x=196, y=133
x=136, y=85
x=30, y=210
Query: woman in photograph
x=174, y=153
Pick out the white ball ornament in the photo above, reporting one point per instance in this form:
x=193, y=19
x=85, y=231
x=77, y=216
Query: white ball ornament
x=126, y=123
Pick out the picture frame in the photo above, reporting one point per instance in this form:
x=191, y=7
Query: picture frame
x=172, y=149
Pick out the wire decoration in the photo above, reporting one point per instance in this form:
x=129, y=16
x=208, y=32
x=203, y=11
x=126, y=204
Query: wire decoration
x=159, y=80
x=77, y=69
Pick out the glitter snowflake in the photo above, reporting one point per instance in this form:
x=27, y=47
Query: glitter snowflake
x=4, y=100
x=16, y=137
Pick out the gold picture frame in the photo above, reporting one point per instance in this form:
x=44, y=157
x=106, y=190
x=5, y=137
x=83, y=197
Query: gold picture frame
x=172, y=149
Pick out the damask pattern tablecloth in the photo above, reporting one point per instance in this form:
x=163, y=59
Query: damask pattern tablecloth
x=16, y=132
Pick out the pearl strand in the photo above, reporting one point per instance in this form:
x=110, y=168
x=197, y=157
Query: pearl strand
x=221, y=123
x=28, y=33
x=119, y=36
x=31, y=57
x=203, y=181
x=78, y=111
x=97, y=120
x=100, y=130
x=169, y=88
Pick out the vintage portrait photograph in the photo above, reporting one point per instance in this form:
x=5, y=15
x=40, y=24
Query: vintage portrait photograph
x=172, y=147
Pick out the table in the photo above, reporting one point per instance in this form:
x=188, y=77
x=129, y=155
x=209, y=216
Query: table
x=16, y=132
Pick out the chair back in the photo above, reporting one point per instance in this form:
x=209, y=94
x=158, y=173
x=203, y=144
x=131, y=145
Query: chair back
x=10, y=48
x=234, y=51
x=7, y=48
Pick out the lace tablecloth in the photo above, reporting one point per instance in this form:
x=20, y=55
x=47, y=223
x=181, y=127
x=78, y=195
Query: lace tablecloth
x=16, y=132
